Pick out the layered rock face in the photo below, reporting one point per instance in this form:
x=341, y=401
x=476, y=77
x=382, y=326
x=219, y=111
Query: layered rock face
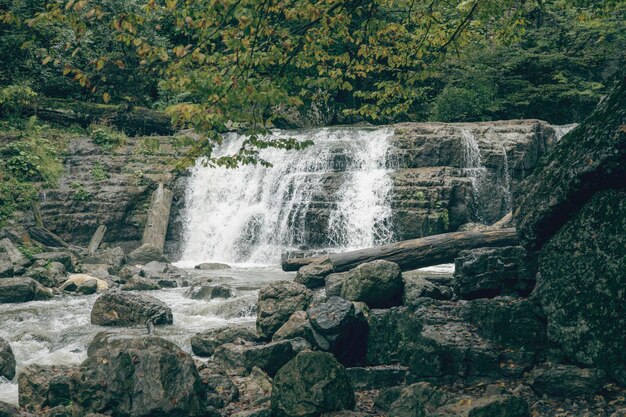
x=112, y=187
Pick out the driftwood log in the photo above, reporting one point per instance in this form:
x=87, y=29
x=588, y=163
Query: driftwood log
x=415, y=253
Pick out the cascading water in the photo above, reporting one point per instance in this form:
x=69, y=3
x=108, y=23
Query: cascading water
x=333, y=194
x=474, y=169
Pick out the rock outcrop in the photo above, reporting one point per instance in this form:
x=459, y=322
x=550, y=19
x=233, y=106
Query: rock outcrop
x=377, y=283
x=21, y=290
x=277, y=302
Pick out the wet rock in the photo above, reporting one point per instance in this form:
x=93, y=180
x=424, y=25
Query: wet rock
x=344, y=327
x=76, y=281
x=220, y=389
x=376, y=377
x=334, y=283
x=49, y=274
x=23, y=289
x=270, y=357
x=211, y=266
x=156, y=270
x=310, y=384
x=277, y=302
x=204, y=344
x=65, y=258
x=138, y=283
x=489, y=272
x=145, y=254
x=113, y=257
x=7, y=360
x=9, y=410
x=498, y=405
x=87, y=287
x=141, y=377
x=6, y=269
x=256, y=388
x=566, y=381
x=129, y=309
x=313, y=275
x=510, y=322
x=581, y=284
x=417, y=287
x=299, y=325
x=206, y=292
x=42, y=386
x=377, y=283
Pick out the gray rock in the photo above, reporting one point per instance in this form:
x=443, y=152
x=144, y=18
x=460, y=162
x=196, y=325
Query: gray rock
x=270, y=357
x=310, y=384
x=489, y=272
x=566, y=381
x=145, y=254
x=377, y=377
x=146, y=376
x=376, y=283
x=416, y=287
x=334, y=283
x=204, y=344
x=42, y=386
x=416, y=400
x=277, y=302
x=87, y=287
x=162, y=270
x=138, y=283
x=113, y=257
x=66, y=258
x=221, y=390
x=12, y=253
x=211, y=266
x=23, y=289
x=299, y=325
x=345, y=329
x=129, y=309
x=313, y=275
x=49, y=274
x=581, y=282
x=206, y=292
x=6, y=269
x=7, y=360
x=97, y=270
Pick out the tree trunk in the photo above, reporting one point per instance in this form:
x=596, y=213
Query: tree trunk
x=415, y=253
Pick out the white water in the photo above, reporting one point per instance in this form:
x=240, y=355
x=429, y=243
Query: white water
x=252, y=214
x=474, y=169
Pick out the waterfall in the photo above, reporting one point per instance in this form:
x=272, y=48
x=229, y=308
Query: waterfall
x=331, y=194
x=474, y=169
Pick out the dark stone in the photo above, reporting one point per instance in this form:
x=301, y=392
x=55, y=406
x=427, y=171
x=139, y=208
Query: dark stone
x=387, y=396
x=206, y=292
x=334, y=283
x=129, y=309
x=221, y=390
x=87, y=287
x=416, y=287
x=7, y=360
x=21, y=290
x=566, y=381
x=310, y=384
x=510, y=322
x=499, y=405
x=589, y=159
x=113, y=257
x=43, y=386
x=161, y=270
x=270, y=357
x=299, y=325
x=376, y=377
x=8, y=410
x=344, y=327
x=581, y=285
x=313, y=275
x=277, y=302
x=50, y=274
x=204, y=344
x=6, y=269
x=211, y=266
x=489, y=272
x=65, y=258
x=377, y=283
x=143, y=377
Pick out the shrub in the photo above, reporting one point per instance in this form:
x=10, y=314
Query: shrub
x=106, y=137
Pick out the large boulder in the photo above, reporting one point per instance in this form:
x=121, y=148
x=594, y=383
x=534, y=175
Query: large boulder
x=416, y=287
x=66, y=258
x=10, y=252
x=241, y=358
x=145, y=254
x=50, y=274
x=581, y=284
x=139, y=377
x=311, y=384
x=589, y=159
x=7, y=360
x=129, y=309
x=489, y=272
x=204, y=344
x=210, y=292
x=299, y=325
x=78, y=282
x=344, y=327
x=277, y=302
x=113, y=257
x=42, y=386
x=22, y=289
x=377, y=283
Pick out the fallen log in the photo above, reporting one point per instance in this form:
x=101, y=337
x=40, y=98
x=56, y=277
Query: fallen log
x=46, y=237
x=415, y=253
